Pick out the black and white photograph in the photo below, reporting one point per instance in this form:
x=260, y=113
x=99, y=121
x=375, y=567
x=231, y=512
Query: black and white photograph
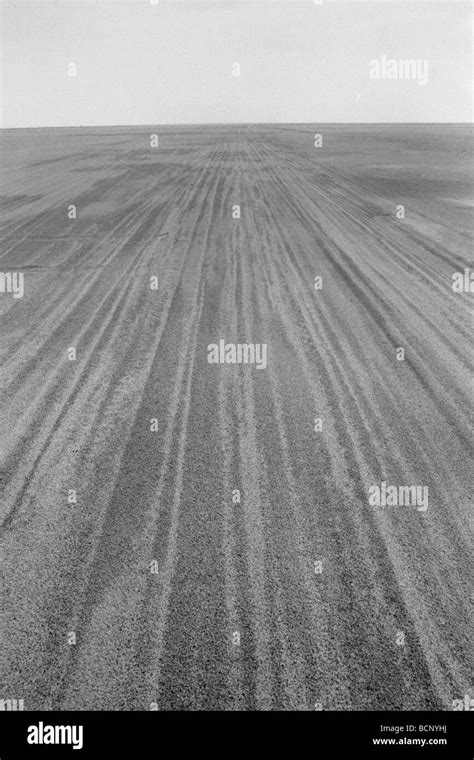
x=236, y=297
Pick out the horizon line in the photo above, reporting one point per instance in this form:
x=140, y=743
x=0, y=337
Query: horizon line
x=241, y=123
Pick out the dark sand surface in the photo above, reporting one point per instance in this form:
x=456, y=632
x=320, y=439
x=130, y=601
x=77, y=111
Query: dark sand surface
x=224, y=567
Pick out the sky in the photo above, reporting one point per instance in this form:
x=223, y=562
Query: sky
x=173, y=61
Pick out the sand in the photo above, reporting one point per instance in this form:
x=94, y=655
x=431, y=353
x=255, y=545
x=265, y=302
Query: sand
x=209, y=544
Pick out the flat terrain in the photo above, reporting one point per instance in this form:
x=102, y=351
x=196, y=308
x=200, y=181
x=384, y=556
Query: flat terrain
x=303, y=594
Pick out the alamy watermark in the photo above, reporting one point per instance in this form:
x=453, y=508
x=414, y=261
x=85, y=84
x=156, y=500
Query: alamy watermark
x=464, y=704
x=463, y=282
x=46, y=734
x=12, y=705
x=399, y=496
x=12, y=282
x=406, y=68
x=237, y=353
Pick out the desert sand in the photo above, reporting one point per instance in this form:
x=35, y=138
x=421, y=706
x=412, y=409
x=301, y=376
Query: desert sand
x=206, y=543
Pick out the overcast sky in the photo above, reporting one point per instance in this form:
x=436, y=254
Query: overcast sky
x=171, y=63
